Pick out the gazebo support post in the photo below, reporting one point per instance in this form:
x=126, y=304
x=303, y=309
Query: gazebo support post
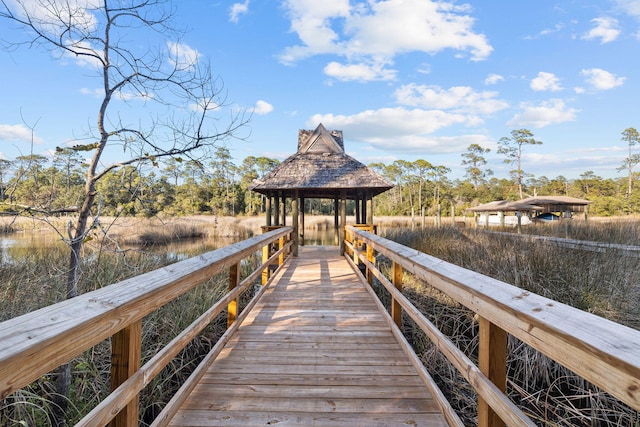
x=295, y=221
x=364, y=209
x=283, y=203
x=276, y=209
x=369, y=209
x=268, y=210
x=357, y=213
x=336, y=225
x=343, y=219
x=302, y=207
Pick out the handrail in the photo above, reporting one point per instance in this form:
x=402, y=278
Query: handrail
x=601, y=351
x=632, y=251
x=38, y=342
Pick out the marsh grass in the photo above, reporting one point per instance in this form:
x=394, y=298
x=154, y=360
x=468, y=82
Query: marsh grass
x=37, y=280
x=91, y=369
x=596, y=282
x=623, y=231
x=551, y=394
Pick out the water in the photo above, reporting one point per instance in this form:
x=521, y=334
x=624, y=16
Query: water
x=14, y=246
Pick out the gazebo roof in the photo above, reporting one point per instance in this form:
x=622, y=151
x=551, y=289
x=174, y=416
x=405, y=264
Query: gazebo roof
x=321, y=169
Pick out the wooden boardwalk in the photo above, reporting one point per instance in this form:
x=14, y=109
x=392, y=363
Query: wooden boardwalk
x=315, y=351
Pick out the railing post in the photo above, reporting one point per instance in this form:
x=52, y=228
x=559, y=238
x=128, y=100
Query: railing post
x=232, y=307
x=492, y=361
x=125, y=361
x=371, y=229
x=265, y=258
x=396, y=308
x=351, y=238
x=281, y=242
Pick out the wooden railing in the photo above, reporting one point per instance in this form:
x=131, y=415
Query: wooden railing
x=631, y=251
x=604, y=353
x=38, y=342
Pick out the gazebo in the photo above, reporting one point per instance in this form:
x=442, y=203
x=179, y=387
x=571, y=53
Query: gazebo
x=320, y=169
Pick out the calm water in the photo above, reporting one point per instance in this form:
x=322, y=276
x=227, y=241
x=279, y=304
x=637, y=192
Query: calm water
x=14, y=246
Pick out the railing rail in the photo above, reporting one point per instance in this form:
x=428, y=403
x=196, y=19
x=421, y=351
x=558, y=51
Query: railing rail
x=632, y=251
x=38, y=342
x=601, y=351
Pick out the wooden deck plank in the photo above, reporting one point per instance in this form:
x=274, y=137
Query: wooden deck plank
x=314, y=352
x=199, y=418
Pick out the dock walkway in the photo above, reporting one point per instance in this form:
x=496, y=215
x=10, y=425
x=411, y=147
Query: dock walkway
x=315, y=351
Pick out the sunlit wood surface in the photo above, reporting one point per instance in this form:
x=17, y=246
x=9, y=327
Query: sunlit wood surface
x=315, y=351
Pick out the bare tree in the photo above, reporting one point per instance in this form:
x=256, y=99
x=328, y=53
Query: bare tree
x=177, y=90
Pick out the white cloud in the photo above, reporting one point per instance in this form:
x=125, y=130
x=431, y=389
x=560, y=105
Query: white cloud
x=89, y=57
x=544, y=114
x=631, y=7
x=18, y=133
x=238, y=9
x=389, y=122
x=94, y=93
x=424, y=68
x=182, y=56
x=556, y=28
x=399, y=129
x=600, y=79
x=47, y=15
x=375, y=32
x=606, y=30
x=457, y=98
x=262, y=107
x=546, y=82
x=204, y=104
x=493, y=79
x=98, y=93
x=359, y=72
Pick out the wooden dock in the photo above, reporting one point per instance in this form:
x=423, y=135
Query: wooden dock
x=315, y=351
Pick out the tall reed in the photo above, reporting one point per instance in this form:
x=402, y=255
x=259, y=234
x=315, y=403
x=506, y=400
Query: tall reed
x=37, y=281
x=600, y=283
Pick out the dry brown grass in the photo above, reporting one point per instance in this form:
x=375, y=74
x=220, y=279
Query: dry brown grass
x=551, y=394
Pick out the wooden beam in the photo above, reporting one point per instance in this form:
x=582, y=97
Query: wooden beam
x=343, y=219
x=232, y=307
x=265, y=258
x=364, y=209
x=268, y=210
x=125, y=361
x=295, y=220
x=369, y=209
x=396, y=308
x=302, y=208
x=492, y=361
x=336, y=222
x=283, y=203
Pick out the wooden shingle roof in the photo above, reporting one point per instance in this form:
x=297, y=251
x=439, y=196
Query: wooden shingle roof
x=321, y=169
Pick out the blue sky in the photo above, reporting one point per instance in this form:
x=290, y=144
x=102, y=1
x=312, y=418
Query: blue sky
x=403, y=79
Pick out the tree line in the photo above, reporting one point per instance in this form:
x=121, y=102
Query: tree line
x=39, y=184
